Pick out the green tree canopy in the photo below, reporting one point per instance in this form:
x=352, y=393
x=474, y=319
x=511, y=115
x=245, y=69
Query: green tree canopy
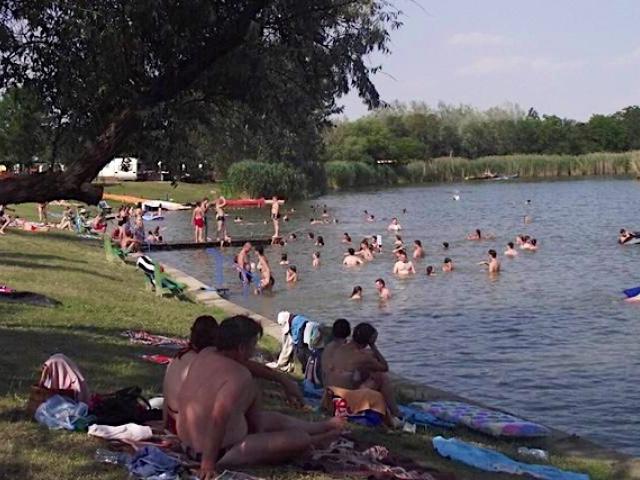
x=114, y=70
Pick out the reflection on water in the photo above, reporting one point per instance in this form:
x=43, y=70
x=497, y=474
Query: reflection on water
x=549, y=338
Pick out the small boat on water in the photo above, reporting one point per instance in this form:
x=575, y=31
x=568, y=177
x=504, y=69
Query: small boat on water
x=165, y=205
x=489, y=175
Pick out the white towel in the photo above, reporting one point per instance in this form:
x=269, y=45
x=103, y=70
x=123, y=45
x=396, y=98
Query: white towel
x=283, y=321
x=129, y=431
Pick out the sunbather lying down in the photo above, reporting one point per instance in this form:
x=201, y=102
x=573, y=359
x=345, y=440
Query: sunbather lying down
x=220, y=421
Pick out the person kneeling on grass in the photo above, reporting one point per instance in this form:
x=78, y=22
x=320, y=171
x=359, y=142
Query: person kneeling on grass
x=356, y=371
x=220, y=421
x=203, y=334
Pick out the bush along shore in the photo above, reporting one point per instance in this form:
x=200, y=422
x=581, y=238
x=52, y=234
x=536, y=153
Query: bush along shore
x=344, y=174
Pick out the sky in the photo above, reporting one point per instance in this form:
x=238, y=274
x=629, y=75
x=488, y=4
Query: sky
x=571, y=58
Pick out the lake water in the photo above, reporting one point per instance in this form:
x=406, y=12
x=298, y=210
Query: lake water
x=549, y=339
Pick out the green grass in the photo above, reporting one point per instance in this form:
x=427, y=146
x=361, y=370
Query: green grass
x=99, y=300
x=184, y=192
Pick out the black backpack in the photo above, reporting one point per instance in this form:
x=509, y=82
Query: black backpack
x=124, y=406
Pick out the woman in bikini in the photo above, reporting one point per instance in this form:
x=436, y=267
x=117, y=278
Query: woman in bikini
x=220, y=220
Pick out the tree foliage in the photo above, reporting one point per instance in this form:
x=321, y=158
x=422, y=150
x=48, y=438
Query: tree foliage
x=110, y=74
x=417, y=132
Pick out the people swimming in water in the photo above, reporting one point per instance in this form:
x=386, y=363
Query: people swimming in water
x=403, y=266
x=243, y=263
x=625, y=236
x=351, y=259
x=371, y=218
x=447, y=265
x=266, y=278
x=383, y=291
x=292, y=274
x=284, y=259
x=445, y=245
x=356, y=294
x=418, y=250
x=346, y=238
x=315, y=259
x=365, y=251
x=394, y=226
x=531, y=245
x=493, y=263
x=319, y=241
x=510, y=251
x=430, y=271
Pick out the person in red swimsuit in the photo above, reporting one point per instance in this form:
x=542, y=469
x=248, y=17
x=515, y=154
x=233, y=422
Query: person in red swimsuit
x=198, y=223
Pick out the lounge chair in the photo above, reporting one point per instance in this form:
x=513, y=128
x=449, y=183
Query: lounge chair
x=154, y=276
x=113, y=254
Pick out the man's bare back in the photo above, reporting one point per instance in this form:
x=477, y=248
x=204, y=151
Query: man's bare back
x=231, y=390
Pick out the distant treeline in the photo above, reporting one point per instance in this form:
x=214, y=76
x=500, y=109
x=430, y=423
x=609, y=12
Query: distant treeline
x=402, y=134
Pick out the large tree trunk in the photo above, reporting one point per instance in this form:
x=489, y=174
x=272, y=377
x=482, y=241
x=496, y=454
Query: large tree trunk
x=75, y=182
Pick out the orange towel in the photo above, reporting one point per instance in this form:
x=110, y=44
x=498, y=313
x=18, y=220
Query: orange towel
x=361, y=399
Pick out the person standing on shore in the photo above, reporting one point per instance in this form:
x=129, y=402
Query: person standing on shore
x=42, y=213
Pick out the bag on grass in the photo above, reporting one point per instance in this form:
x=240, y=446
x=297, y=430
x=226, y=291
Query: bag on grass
x=121, y=407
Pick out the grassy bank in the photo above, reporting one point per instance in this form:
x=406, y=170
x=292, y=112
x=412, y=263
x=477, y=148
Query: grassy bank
x=99, y=300
x=182, y=193
x=344, y=175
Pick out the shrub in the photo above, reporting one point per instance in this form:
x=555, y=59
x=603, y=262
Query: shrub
x=261, y=179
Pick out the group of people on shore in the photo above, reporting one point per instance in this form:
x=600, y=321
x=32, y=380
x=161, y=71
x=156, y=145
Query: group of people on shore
x=220, y=420
x=73, y=218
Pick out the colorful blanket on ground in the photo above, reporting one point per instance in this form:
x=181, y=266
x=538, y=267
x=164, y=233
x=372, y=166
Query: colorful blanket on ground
x=145, y=338
x=492, y=461
x=491, y=422
x=341, y=459
x=417, y=416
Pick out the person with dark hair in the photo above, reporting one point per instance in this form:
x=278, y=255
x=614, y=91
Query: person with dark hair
x=284, y=259
x=511, y=251
x=346, y=238
x=292, y=274
x=315, y=259
x=493, y=263
x=357, y=368
x=220, y=421
x=340, y=332
x=351, y=259
x=319, y=241
x=430, y=271
x=445, y=245
x=204, y=333
x=356, y=294
x=383, y=291
x=403, y=266
x=447, y=265
x=418, y=250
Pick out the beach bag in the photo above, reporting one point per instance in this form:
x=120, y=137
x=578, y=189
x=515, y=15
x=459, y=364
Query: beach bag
x=313, y=370
x=124, y=406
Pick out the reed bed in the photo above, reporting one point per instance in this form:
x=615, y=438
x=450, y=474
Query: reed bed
x=455, y=169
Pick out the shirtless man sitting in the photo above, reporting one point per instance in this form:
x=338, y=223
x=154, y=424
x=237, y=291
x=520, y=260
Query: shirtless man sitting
x=359, y=364
x=340, y=332
x=403, y=266
x=220, y=421
x=351, y=259
x=203, y=332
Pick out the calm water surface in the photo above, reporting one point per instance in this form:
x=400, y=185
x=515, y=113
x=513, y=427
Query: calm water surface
x=549, y=339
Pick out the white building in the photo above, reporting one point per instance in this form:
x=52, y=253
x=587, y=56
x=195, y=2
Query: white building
x=121, y=168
